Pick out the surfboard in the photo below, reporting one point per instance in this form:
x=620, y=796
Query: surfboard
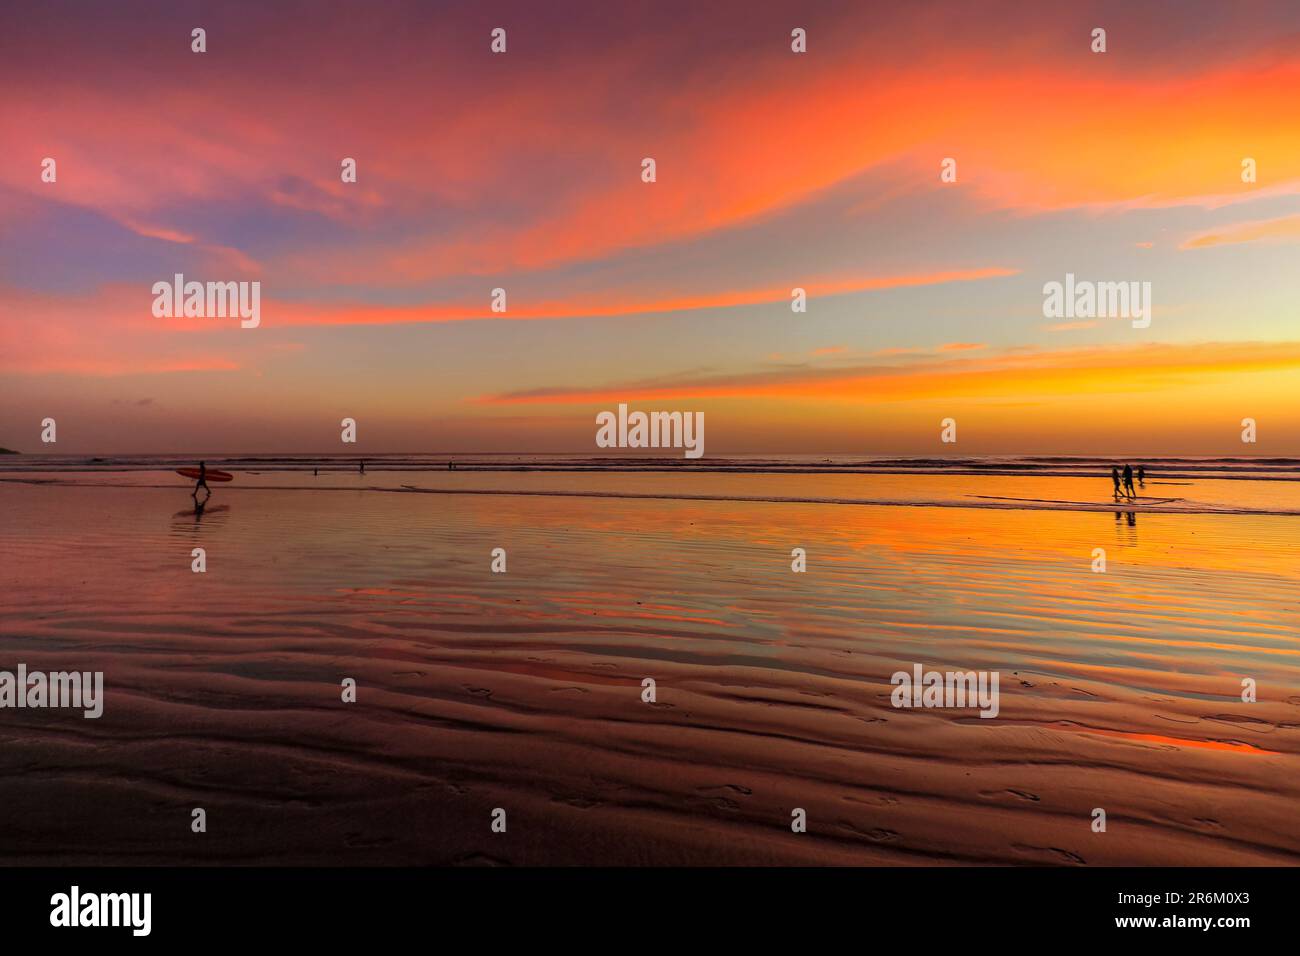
x=213, y=474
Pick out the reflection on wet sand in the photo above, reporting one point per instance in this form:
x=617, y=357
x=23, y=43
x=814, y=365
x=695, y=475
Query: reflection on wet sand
x=523, y=690
x=199, y=510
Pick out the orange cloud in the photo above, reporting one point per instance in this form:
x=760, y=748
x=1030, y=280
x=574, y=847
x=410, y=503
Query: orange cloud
x=1070, y=326
x=1027, y=131
x=1022, y=374
x=1284, y=229
x=611, y=304
x=102, y=334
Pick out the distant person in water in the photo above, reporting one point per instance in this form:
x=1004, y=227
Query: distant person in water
x=1114, y=477
x=1142, y=475
x=1129, y=490
x=363, y=466
x=203, y=480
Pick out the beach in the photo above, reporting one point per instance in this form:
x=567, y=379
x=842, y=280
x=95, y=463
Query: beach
x=523, y=690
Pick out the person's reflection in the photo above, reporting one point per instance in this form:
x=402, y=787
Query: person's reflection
x=200, y=509
x=1130, y=515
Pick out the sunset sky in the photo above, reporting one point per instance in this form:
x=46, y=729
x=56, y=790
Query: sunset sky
x=774, y=170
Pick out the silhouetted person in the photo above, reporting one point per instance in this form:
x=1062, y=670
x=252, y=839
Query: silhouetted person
x=315, y=472
x=363, y=466
x=1142, y=475
x=1128, y=482
x=1114, y=477
x=202, y=482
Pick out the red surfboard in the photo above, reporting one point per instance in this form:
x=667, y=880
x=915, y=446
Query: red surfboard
x=213, y=474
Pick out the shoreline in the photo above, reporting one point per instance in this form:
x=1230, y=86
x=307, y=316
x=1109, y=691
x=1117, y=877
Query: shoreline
x=988, y=503
x=348, y=466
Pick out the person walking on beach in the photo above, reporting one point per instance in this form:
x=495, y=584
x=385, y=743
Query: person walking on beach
x=1114, y=477
x=1142, y=476
x=1128, y=482
x=203, y=480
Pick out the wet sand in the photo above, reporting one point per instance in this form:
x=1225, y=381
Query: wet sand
x=523, y=690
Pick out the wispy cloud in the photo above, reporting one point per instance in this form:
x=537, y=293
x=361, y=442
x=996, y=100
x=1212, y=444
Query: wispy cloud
x=1020, y=373
x=1283, y=229
x=610, y=304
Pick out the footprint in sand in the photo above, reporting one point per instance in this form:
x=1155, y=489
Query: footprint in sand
x=1022, y=794
x=734, y=787
x=1054, y=853
x=723, y=803
x=579, y=802
x=876, y=834
x=881, y=801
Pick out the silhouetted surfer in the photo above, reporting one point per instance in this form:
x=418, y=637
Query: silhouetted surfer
x=1128, y=482
x=202, y=482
